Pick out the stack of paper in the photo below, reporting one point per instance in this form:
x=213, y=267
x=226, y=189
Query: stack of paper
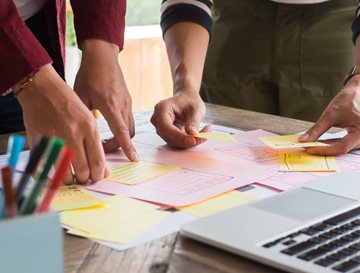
x=75, y=197
x=120, y=221
x=293, y=161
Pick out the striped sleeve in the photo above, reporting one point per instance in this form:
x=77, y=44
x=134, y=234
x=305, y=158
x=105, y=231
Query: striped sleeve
x=356, y=24
x=195, y=11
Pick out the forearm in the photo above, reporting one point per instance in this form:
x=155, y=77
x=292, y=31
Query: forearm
x=186, y=45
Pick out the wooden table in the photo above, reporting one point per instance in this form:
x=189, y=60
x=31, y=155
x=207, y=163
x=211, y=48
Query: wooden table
x=173, y=253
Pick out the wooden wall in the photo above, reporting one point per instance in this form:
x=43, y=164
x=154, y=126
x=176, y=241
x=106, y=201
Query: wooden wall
x=146, y=70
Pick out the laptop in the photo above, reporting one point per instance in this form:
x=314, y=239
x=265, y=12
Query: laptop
x=314, y=228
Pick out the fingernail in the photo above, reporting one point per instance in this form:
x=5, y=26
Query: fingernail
x=135, y=156
x=304, y=136
x=106, y=173
x=190, y=141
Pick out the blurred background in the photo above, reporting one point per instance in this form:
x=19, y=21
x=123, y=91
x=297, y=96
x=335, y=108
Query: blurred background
x=143, y=60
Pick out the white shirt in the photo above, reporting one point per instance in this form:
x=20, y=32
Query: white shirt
x=28, y=8
x=299, y=1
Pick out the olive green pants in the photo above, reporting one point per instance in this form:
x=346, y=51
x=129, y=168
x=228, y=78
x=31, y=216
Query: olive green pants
x=282, y=59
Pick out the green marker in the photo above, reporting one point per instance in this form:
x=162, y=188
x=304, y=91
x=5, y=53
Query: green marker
x=29, y=203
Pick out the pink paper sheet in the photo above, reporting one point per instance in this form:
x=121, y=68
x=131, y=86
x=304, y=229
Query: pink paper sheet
x=200, y=178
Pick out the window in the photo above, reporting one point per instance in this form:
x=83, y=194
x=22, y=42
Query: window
x=143, y=12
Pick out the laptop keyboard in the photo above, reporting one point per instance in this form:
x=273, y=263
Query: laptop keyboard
x=333, y=243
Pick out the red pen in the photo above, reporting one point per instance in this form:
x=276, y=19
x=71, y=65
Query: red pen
x=67, y=155
x=10, y=198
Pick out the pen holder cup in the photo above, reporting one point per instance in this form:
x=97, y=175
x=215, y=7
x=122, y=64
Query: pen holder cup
x=31, y=244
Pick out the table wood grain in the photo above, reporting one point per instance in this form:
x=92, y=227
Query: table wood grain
x=174, y=253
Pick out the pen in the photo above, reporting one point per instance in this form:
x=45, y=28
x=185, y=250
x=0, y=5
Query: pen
x=10, y=201
x=15, y=146
x=67, y=155
x=35, y=156
x=29, y=203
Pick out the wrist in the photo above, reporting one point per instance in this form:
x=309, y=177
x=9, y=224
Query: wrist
x=185, y=85
x=354, y=80
x=187, y=91
x=45, y=76
x=98, y=48
x=24, y=83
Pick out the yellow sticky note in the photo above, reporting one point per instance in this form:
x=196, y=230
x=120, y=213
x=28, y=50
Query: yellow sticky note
x=119, y=209
x=74, y=197
x=288, y=141
x=136, y=172
x=221, y=136
x=126, y=231
x=303, y=162
x=219, y=203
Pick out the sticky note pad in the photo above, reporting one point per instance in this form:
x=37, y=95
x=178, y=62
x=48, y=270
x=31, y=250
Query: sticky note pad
x=126, y=231
x=74, y=197
x=219, y=203
x=288, y=141
x=119, y=209
x=303, y=162
x=136, y=172
x=221, y=136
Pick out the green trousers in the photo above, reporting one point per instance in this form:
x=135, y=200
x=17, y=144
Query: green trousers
x=282, y=59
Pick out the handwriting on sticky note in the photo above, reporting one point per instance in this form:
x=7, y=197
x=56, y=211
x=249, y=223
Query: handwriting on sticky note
x=303, y=162
x=136, y=172
x=221, y=136
x=74, y=197
x=219, y=203
x=288, y=141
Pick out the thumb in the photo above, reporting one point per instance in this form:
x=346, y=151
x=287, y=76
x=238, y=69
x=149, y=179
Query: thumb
x=192, y=123
x=320, y=127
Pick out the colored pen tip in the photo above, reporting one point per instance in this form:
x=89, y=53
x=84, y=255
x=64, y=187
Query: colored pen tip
x=15, y=141
x=36, y=153
x=15, y=146
x=6, y=173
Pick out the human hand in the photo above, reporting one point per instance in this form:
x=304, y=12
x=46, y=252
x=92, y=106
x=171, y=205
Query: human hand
x=51, y=108
x=100, y=85
x=177, y=119
x=344, y=112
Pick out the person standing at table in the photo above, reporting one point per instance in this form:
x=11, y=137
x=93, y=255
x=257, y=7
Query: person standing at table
x=32, y=82
x=32, y=38
x=287, y=58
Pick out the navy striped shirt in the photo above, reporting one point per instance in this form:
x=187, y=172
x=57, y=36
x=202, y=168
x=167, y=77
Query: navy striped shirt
x=195, y=11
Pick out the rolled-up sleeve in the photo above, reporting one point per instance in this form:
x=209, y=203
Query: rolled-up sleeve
x=194, y=11
x=100, y=19
x=20, y=52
